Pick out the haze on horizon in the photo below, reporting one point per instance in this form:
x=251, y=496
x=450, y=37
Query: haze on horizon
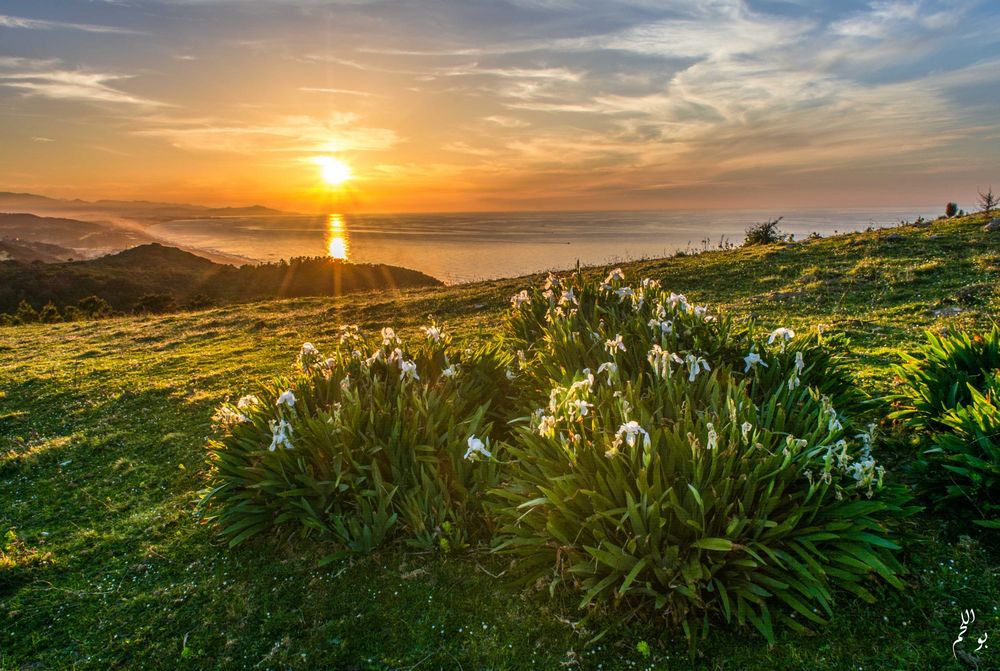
x=525, y=104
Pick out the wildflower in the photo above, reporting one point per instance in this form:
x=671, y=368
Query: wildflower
x=520, y=298
x=345, y=383
x=580, y=407
x=700, y=311
x=713, y=437
x=308, y=355
x=793, y=382
x=784, y=334
x=695, y=365
x=476, y=446
x=280, y=432
x=631, y=431
x=349, y=332
x=568, y=297
x=677, y=299
x=625, y=292
x=508, y=373
x=225, y=417
x=800, y=363
x=408, y=369
x=752, y=360
x=395, y=355
x=450, y=371
x=548, y=295
x=389, y=336
x=546, y=426
x=615, y=274
x=551, y=281
x=433, y=332
x=648, y=283
x=287, y=398
x=660, y=360
x=746, y=428
x=615, y=344
x=610, y=366
x=247, y=401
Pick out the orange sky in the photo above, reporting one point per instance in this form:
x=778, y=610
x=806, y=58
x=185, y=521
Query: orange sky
x=522, y=105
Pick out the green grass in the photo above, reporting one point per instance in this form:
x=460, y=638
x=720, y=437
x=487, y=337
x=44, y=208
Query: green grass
x=101, y=431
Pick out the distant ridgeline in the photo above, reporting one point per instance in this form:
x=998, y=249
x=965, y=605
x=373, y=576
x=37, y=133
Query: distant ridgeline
x=154, y=278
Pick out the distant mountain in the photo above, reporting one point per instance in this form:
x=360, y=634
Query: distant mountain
x=89, y=237
x=167, y=277
x=140, y=211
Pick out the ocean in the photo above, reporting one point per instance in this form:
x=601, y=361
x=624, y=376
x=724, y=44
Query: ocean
x=464, y=247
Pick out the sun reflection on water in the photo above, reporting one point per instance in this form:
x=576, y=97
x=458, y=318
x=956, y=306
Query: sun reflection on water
x=337, y=246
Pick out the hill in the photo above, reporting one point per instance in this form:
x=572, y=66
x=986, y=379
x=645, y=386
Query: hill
x=102, y=427
x=177, y=278
x=15, y=249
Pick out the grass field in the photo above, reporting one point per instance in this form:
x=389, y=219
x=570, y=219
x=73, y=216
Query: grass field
x=102, y=426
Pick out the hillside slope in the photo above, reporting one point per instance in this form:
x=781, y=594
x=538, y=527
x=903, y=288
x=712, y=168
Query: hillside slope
x=101, y=431
x=123, y=279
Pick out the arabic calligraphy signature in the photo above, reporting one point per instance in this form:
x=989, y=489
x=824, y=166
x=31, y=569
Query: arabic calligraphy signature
x=968, y=617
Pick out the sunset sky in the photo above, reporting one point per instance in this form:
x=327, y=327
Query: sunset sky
x=527, y=104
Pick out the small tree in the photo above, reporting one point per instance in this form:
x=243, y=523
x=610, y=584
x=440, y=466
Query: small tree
x=25, y=313
x=95, y=307
x=951, y=209
x=987, y=200
x=765, y=233
x=49, y=314
x=155, y=303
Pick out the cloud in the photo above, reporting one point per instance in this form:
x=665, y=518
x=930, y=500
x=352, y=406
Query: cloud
x=293, y=134
x=7, y=21
x=74, y=85
x=349, y=92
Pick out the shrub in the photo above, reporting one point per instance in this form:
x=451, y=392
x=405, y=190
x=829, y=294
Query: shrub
x=49, y=314
x=765, y=233
x=951, y=209
x=370, y=444
x=25, y=313
x=683, y=466
x=154, y=303
x=95, y=307
x=949, y=395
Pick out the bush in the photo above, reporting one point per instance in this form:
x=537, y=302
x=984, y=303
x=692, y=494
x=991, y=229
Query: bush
x=95, y=307
x=949, y=396
x=154, y=303
x=49, y=314
x=951, y=209
x=26, y=314
x=765, y=233
x=368, y=445
x=683, y=466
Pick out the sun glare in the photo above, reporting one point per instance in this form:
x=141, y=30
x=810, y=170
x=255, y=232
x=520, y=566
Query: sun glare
x=337, y=246
x=333, y=171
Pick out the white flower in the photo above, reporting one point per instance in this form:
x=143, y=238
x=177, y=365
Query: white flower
x=433, y=332
x=508, y=373
x=389, y=336
x=615, y=344
x=695, y=365
x=476, y=446
x=287, y=398
x=783, y=334
x=580, y=407
x=345, y=383
x=350, y=332
x=800, y=363
x=247, y=401
x=677, y=299
x=568, y=297
x=546, y=426
x=746, y=428
x=610, y=366
x=408, y=369
x=615, y=274
x=395, y=355
x=661, y=359
x=280, y=431
x=450, y=371
x=713, y=437
x=625, y=292
x=225, y=417
x=631, y=431
x=648, y=283
x=551, y=281
x=519, y=299
x=308, y=355
x=752, y=360
x=793, y=382
x=700, y=311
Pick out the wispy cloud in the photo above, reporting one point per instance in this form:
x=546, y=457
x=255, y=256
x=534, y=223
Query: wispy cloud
x=348, y=92
x=74, y=85
x=292, y=134
x=7, y=21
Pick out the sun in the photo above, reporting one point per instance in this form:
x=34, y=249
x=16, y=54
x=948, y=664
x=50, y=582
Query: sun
x=333, y=171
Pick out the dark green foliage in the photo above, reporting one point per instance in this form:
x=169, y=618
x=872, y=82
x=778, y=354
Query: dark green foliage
x=951, y=209
x=370, y=450
x=95, y=307
x=49, y=314
x=25, y=313
x=154, y=303
x=765, y=233
x=949, y=395
x=685, y=475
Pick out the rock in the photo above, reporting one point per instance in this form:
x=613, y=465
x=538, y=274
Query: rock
x=992, y=226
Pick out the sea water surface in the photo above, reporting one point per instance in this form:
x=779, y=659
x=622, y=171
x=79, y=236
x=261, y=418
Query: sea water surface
x=464, y=247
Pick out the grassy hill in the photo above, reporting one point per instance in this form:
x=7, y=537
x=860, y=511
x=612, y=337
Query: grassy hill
x=123, y=279
x=101, y=432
